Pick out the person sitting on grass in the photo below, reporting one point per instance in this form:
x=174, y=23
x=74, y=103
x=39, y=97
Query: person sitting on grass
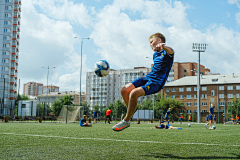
x=165, y=126
x=83, y=122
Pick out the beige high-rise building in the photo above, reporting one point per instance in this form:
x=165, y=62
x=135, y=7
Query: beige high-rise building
x=33, y=89
x=50, y=88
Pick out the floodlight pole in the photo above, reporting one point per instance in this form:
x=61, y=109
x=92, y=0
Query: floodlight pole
x=198, y=47
x=81, y=74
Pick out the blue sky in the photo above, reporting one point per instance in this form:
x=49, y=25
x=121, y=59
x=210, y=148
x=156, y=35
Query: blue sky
x=118, y=31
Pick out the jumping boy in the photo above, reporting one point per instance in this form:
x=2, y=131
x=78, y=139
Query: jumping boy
x=152, y=82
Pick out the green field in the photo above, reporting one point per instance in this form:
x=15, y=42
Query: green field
x=69, y=141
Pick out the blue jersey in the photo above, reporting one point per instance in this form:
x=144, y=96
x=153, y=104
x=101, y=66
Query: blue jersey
x=211, y=110
x=95, y=114
x=162, y=126
x=161, y=67
x=82, y=121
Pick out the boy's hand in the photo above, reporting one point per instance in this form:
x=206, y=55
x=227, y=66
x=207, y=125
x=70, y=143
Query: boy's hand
x=160, y=46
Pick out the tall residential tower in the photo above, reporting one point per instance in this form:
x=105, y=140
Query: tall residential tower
x=10, y=15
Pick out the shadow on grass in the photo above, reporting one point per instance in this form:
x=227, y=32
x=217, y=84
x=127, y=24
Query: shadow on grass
x=156, y=155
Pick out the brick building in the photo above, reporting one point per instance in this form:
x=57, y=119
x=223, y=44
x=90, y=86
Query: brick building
x=32, y=89
x=218, y=89
x=50, y=88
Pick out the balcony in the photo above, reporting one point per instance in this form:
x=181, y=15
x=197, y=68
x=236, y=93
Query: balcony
x=11, y=98
x=14, y=46
x=8, y=11
x=14, y=39
x=19, y=9
x=6, y=33
x=13, y=53
x=5, y=64
x=7, y=26
x=20, y=3
x=8, y=3
x=19, y=16
x=13, y=60
x=6, y=56
x=12, y=75
x=8, y=18
x=15, y=84
x=14, y=31
x=11, y=90
x=16, y=71
x=14, y=23
x=15, y=2
x=18, y=30
x=6, y=41
x=11, y=82
x=15, y=18
x=5, y=72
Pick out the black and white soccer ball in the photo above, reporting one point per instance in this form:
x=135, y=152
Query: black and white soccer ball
x=214, y=127
x=101, y=68
x=189, y=125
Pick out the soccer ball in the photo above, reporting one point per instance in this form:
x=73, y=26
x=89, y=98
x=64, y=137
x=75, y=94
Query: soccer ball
x=101, y=68
x=214, y=127
x=189, y=125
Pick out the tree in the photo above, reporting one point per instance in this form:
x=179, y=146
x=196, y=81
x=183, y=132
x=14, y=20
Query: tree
x=41, y=108
x=57, y=107
x=233, y=108
x=86, y=107
x=96, y=108
x=119, y=108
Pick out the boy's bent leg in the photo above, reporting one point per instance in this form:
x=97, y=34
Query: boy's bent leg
x=125, y=91
x=133, y=99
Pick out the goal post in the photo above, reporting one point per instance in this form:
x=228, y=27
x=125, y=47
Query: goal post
x=69, y=114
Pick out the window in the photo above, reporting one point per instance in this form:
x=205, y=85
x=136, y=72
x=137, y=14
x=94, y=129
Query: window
x=167, y=89
x=3, y=60
x=204, y=103
x=221, y=95
x=212, y=93
x=188, y=104
x=195, y=96
x=167, y=97
x=195, y=111
x=221, y=87
x=6, y=15
x=204, y=88
x=184, y=76
x=181, y=89
x=195, y=103
x=221, y=103
x=188, y=89
x=237, y=87
x=4, y=45
x=180, y=96
x=237, y=95
x=5, y=22
x=5, y=30
x=188, y=96
x=204, y=96
x=195, y=88
x=230, y=95
x=230, y=87
x=204, y=110
x=6, y=0
x=181, y=111
x=173, y=96
x=6, y=7
x=2, y=76
x=173, y=89
x=229, y=103
x=4, y=37
x=185, y=71
x=188, y=111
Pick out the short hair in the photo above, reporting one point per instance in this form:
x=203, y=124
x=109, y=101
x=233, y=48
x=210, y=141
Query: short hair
x=158, y=35
x=84, y=116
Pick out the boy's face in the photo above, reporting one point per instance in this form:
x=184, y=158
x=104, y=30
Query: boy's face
x=153, y=42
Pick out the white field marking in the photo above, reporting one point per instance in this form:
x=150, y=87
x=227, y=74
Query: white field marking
x=102, y=139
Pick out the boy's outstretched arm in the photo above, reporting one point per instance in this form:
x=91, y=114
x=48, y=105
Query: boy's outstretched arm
x=161, y=46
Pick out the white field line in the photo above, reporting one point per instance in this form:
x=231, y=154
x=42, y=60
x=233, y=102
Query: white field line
x=102, y=139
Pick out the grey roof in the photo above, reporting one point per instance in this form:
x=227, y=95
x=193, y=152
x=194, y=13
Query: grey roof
x=206, y=80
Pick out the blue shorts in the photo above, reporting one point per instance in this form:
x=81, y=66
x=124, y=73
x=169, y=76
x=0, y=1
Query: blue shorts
x=214, y=119
x=180, y=119
x=167, y=118
x=149, y=86
x=223, y=119
x=95, y=117
x=233, y=120
x=209, y=117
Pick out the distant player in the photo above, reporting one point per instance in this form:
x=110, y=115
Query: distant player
x=165, y=126
x=181, y=119
x=210, y=116
x=237, y=119
x=83, y=122
x=233, y=119
x=214, y=119
x=223, y=119
x=152, y=83
x=167, y=116
x=108, y=115
x=189, y=120
x=95, y=115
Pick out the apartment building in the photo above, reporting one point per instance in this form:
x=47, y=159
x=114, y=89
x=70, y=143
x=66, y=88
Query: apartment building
x=50, y=88
x=10, y=16
x=106, y=90
x=218, y=89
x=52, y=96
x=184, y=69
x=32, y=89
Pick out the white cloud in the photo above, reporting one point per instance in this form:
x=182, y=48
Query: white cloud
x=122, y=37
x=47, y=42
x=65, y=10
x=237, y=15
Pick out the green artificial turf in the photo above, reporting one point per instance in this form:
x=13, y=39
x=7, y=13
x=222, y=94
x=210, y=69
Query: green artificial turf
x=70, y=141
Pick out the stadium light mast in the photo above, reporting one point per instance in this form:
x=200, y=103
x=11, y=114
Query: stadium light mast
x=47, y=86
x=199, y=47
x=81, y=74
